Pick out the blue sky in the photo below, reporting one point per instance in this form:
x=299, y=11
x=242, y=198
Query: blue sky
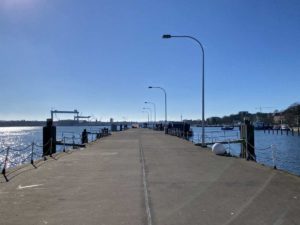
x=99, y=56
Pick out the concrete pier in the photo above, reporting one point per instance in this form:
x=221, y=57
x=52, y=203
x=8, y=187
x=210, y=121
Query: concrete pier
x=143, y=177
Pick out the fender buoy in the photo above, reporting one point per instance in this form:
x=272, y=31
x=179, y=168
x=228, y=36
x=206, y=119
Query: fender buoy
x=218, y=149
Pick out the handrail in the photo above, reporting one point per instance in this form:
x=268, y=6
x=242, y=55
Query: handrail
x=17, y=155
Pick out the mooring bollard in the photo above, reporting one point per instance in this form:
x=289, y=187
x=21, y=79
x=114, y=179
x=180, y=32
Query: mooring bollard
x=49, y=138
x=84, y=137
x=247, y=147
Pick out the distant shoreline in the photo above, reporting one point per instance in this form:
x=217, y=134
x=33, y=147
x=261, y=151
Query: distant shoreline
x=56, y=123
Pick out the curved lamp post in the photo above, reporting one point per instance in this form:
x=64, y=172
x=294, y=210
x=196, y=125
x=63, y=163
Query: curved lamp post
x=165, y=102
x=167, y=36
x=150, y=110
x=154, y=107
x=147, y=114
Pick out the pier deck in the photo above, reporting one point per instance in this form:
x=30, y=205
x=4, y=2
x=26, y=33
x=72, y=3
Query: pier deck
x=143, y=177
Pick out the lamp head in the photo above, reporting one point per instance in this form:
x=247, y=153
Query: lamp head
x=146, y=102
x=150, y=87
x=165, y=36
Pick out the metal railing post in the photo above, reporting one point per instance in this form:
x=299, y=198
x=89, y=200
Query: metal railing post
x=32, y=148
x=273, y=156
x=73, y=140
x=64, y=141
x=5, y=161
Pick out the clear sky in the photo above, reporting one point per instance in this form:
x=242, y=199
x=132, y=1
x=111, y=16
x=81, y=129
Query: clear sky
x=99, y=56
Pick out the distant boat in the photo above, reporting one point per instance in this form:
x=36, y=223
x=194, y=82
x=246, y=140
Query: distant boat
x=284, y=127
x=276, y=127
x=135, y=125
x=227, y=127
x=258, y=125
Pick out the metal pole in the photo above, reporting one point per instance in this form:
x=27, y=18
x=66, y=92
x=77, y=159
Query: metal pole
x=150, y=110
x=154, y=108
x=166, y=117
x=147, y=114
x=203, y=109
x=165, y=106
x=154, y=113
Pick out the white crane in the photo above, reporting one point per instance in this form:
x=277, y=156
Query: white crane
x=75, y=111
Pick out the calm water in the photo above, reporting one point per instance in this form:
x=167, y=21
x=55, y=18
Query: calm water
x=19, y=140
x=286, y=148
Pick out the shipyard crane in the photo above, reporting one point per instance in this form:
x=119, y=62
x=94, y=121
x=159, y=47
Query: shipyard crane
x=75, y=111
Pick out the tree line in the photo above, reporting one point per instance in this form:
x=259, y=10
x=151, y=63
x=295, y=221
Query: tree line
x=289, y=116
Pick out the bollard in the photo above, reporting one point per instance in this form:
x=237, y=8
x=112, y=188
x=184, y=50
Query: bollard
x=49, y=138
x=247, y=147
x=84, y=137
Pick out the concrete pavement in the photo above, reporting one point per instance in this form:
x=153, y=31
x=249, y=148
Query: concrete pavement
x=145, y=177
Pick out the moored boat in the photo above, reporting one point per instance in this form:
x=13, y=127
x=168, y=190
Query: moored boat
x=284, y=127
x=227, y=127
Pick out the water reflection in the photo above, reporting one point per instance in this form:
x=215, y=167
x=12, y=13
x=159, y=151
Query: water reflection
x=286, y=148
x=19, y=140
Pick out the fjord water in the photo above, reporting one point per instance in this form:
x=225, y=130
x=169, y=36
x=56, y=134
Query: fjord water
x=284, y=148
x=19, y=140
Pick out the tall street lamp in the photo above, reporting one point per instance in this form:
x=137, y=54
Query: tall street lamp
x=165, y=102
x=154, y=107
x=150, y=110
x=147, y=114
x=166, y=36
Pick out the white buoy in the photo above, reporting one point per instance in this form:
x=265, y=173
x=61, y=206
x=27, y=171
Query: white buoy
x=218, y=149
